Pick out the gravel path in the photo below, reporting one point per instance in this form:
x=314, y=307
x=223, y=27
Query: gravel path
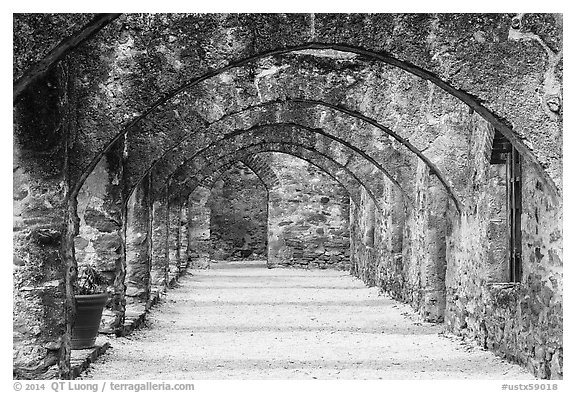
x=244, y=321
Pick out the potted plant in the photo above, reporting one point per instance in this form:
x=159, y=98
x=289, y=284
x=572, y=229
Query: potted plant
x=90, y=301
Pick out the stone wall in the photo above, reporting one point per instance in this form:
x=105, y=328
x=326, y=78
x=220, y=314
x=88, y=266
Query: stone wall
x=238, y=220
x=307, y=217
x=522, y=321
x=453, y=266
x=199, y=245
x=401, y=248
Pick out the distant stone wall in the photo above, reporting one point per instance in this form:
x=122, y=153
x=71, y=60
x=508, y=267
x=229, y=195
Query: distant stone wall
x=238, y=220
x=199, y=244
x=308, y=217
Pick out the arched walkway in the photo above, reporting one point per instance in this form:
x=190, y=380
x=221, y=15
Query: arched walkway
x=432, y=148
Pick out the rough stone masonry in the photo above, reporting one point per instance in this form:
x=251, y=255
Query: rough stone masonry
x=423, y=152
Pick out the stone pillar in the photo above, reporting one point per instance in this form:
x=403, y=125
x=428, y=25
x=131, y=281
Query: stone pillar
x=99, y=242
x=362, y=236
x=353, y=238
x=40, y=343
x=159, y=266
x=138, y=235
x=199, y=244
x=434, y=262
x=426, y=247
x=278, y=252
x=183, y=238
x=389, y=242
x=174, y=209
x=39, y=273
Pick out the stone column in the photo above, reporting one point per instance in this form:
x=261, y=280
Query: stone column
x=38, y=272
x=425, y=251
x=433, y=266
x=138, y=235
x=362, y=236
x=183, y=238
x=40, y=344
x=389, y=242
x=159, y=267
x=199, y=245
x=99, y=242
x=174, y=209
x=279, y=253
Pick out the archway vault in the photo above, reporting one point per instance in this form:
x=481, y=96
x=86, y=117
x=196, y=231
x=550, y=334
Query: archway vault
x=459, y=94
x=293, y=113
x=348, y=156
x=205, y=176
x=307, y=212
x=262, y=169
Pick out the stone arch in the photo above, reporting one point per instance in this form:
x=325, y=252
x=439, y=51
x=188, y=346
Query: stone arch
x=65, y=46
x=341, y=174
x=198, y=188
x=461, y=95
x=340, y=112
x=180, y=253
x=261, y=168
x=363, y=171
x=266, y=114
x=290, y=108
x=372, y=122
x=301, y=33
x=257, y=164
x=295, y=132
x=283, y=247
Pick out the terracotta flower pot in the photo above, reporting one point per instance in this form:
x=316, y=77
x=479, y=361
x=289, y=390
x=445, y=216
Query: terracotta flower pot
x=88, y=314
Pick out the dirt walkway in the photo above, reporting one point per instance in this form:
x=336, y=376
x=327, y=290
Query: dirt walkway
x=238, y=321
